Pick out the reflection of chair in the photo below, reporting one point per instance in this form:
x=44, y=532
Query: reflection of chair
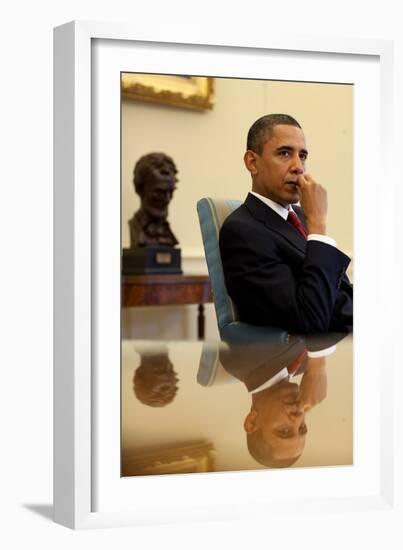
x=212, y=213
x=210, y=365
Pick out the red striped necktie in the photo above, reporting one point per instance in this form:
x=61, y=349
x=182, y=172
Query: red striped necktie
x=294, y=220
x=297, y=363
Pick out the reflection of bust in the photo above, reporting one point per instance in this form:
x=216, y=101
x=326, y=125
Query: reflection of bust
x=155, y=381
x=154, y=179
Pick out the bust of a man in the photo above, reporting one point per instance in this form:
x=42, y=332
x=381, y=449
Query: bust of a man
x=154, y=179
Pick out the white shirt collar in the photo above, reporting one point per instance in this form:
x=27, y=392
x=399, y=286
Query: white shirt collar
x=281, y=210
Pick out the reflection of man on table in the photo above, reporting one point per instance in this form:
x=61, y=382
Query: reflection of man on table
x=281, y=268
x=275, y=425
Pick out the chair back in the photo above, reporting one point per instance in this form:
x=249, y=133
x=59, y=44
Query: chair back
x=212, y=213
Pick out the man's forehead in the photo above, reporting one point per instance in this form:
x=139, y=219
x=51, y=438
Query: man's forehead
x=287, y=135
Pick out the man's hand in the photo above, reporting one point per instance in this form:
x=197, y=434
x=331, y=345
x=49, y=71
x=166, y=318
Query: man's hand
x=313, y=203
x=313, y=387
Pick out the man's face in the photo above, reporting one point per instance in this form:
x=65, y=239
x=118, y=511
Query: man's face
x=282, y=421
x=158, y=192
x=276, y=171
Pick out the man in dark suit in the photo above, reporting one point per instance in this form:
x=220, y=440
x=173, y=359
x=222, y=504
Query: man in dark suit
x=275, y=426
x=281, y=269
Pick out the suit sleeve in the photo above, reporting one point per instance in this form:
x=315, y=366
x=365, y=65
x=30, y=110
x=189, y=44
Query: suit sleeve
x=271, y=287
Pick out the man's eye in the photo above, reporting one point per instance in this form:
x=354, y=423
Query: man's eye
x=303, y=156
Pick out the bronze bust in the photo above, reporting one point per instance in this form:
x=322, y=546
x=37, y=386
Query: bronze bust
x=154, y=179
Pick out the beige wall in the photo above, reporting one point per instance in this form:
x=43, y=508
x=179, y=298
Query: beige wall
x=208, y=148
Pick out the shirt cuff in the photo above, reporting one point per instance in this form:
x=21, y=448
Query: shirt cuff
x=321, y=353
x=322, y=238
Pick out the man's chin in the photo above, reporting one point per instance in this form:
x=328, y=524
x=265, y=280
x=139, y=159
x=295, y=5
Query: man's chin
x=287, y=388
x=294, y=198
x=293, y=193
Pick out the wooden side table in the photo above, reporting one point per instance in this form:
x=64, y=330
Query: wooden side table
x=168, y=290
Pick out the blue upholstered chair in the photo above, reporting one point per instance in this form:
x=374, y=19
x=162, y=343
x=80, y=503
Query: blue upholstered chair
x=212, y=213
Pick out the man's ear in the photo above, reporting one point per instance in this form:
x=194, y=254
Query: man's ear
x=249, y=159
x=250, y=424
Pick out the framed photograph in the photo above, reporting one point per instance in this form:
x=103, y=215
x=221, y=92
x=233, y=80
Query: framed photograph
x=190, y=92
x=95, y=485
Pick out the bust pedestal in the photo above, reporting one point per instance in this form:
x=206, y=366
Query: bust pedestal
x=151, y=259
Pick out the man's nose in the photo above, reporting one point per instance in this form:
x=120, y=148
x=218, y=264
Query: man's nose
x=298, y=166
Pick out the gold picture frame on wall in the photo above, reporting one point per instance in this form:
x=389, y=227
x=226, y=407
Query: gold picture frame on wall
x=189, y=92
x=194, y=457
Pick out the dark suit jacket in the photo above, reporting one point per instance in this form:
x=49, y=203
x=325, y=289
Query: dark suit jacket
x=256, y=363
x=277, y=278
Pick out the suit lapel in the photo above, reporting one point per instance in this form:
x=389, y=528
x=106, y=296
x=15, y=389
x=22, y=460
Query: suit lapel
x=274, y=222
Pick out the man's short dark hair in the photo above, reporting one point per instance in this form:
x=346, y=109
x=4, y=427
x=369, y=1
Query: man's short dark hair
x=263, y=453
x=262, y=129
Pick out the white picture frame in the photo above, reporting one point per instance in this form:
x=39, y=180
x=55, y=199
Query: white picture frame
x=88, y=491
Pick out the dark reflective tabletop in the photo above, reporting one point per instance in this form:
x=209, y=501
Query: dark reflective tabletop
x=285, y=401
